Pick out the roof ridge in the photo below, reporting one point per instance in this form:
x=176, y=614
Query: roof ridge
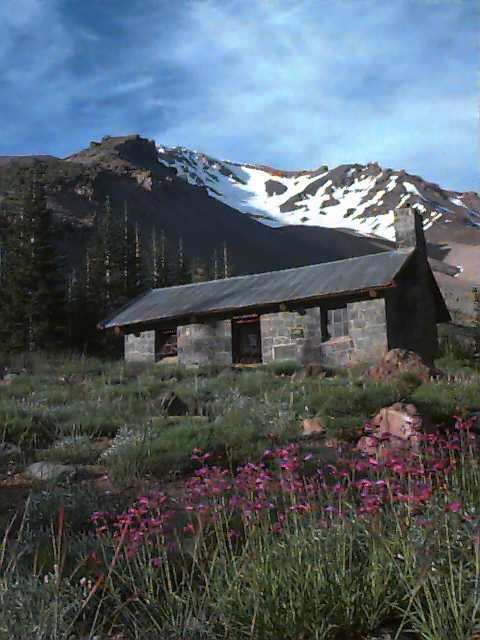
x=305, y=266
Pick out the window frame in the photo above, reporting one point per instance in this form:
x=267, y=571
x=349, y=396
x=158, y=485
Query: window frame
x=325, y=314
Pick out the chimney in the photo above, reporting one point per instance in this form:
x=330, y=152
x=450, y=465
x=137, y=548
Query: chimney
x=408, y=224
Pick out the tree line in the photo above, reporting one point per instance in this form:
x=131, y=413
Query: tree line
x=46, y=302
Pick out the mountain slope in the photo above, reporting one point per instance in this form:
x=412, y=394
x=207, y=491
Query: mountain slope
x=270, y=219
x=358, y=197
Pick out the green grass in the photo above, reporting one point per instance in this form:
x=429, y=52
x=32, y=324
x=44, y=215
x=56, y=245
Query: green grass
x=298, y=585
x=440, y=401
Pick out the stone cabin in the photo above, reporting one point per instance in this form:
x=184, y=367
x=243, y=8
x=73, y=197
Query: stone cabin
x=335, y=313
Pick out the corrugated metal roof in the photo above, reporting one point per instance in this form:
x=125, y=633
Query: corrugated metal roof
x=241, y=292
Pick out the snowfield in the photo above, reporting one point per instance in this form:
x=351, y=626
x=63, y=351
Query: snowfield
x=360, y=198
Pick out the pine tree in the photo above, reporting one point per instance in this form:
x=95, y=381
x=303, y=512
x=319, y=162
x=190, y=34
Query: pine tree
x=199, y=270
x=75, y=310
x=16, y=275
x=214, y=266
x=48, y=290
x=476, y=312
x=33, y=290
x=159, y=265
x=183, y=274
x=226, y=262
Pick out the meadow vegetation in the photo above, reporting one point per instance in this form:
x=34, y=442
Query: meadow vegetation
x=226, y=522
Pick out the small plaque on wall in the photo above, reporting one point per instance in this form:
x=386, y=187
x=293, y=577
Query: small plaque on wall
x=297, y=332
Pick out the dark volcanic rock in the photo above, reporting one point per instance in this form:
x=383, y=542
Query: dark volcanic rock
x=172, y=405
x=274, y=188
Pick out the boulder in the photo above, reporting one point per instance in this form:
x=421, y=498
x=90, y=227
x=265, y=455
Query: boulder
x=396, y=427
x=172, y=405
x=313, y=426
x=398, y=361
x=50, y=471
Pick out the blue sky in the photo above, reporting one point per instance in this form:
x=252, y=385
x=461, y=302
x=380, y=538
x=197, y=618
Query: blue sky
x=289, y=83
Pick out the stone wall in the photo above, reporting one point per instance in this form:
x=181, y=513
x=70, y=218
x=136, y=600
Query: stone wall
x=203, y=343
x=367, y=321
x=287, y=335
x=140, y=348
x=336, y=352
x=291, y=336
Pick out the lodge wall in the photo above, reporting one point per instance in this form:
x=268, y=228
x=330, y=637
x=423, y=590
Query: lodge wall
x=201, y=343
x=286, y=335
x=291, y=336
x=140, y=348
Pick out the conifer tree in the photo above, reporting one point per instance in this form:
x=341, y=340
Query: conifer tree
x=183, y=274
x=16, y=273
x=160, y=276
x=48, y=286
x=137, y=276
x=226, y=262
x=32, y=292
x=75, y=310
x=199, y=270
x=214, y=266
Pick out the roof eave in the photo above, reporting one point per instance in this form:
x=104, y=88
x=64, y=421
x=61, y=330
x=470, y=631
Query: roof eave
x=298, y=302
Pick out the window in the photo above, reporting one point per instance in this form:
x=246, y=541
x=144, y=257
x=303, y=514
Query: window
x=334, y=323
x=246, y=340
x=165, y=343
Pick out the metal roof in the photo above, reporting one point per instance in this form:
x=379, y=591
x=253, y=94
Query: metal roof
x=274, y=287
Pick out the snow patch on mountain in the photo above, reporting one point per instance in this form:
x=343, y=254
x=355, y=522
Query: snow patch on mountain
x=359, y=198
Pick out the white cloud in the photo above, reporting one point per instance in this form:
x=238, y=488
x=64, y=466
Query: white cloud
x=286, y=84
x=291, y=84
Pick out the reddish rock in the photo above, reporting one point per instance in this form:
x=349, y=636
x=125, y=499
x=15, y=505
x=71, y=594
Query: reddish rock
x=399, y=361
x=396, y=427
x=311, y=426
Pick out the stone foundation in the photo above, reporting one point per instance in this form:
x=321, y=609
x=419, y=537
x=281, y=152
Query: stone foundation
x=290, y=336
x=367, y=321
x=140, y=348
x=205, y=343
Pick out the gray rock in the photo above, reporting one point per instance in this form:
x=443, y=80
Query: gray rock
x=172, y=405
x=50, y=471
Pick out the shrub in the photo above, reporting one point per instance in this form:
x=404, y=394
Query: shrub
x=346, y=428
x=72, y=450
x=404, y=384
x=336, y=399
x=284, y=367
x=441, y=401
x=29, y=428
